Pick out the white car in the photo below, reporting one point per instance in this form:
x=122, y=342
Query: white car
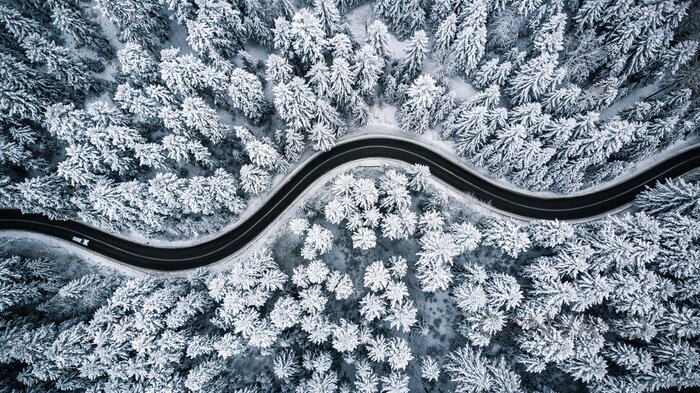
x=80, y=240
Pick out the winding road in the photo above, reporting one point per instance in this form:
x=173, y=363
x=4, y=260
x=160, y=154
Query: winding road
x=528, y=205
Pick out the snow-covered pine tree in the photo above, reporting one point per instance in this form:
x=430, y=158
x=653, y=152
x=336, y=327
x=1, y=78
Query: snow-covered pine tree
x=416, y=51
x=60, y=63
x=328, y=14
x=197, y=115
x=507, y=235
x=533, y=79
x=377, y=38
x=419, y=111
x=215, y=33
x=301, y=40
x=322, y=136
x=137, y=63
x=472, y=372
x=138, y=21
x=469, y=44
x=341, y=80
x=403, y=16
x=254, y=180
x=673, y=196
x=445, y=34
x=295, y=103
x=187, y=75
x=246, y=93
x=277, y=70
x=368, y=68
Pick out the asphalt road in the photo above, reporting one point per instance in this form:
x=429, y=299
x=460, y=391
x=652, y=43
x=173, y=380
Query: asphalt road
x=527, y=205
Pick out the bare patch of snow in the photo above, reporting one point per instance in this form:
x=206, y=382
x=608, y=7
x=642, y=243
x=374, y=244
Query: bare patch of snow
x=178, y=38
x=629, y=99
x=461, y=89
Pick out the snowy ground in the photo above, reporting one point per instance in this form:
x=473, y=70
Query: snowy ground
x=36, y=245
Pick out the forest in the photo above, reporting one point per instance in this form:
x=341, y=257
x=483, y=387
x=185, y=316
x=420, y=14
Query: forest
x=170, y=120
x=167, y=119
x=380, y=286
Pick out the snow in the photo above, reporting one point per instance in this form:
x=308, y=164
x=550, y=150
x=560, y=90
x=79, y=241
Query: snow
x=634, y=96
x=257, y=52
x=360, y=18
x=177, y=38
x=49, y=247
x=461, y=89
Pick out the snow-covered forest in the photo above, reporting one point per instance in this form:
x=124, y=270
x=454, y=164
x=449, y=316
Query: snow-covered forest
x=387, y=285
x=165, y=118
x=169, y=120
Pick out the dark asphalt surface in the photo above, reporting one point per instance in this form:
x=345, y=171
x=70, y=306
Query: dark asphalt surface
x=183, y=258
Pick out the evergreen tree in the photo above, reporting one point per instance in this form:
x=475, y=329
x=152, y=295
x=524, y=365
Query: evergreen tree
x=295, y=103
x=403, y=16
x=74, y=23
x=368, y=68
x=341, y=80
x=419, y=111
x=262, y=154
x=549, y=38
x=322, y=136
x=187, y=75
x=278, y=70
x=673, y=196
x=246, y=93
x=377, y=38
x=215, y=32
x=469, y=45
x=203, y=118
x=302, y=39
x=47, y=195
x=329, y=16
x=18, y=25
x=550, y=233
x=533, y=79
x=416, y=50
x=446, y=34
x=59, y=62
x=319, y=77
x=137, y=63
x=254, y=180
x=506, y=235
x=471, y=372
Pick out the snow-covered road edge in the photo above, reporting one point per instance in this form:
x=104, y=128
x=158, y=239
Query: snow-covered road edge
x=428, y=141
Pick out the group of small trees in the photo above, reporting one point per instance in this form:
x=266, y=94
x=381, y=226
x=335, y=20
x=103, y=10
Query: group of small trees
x=556, y=133
x=611, y=304
x=313, y=95
x=62, y=332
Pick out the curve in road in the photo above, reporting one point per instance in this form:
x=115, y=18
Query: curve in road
x=528, y=205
